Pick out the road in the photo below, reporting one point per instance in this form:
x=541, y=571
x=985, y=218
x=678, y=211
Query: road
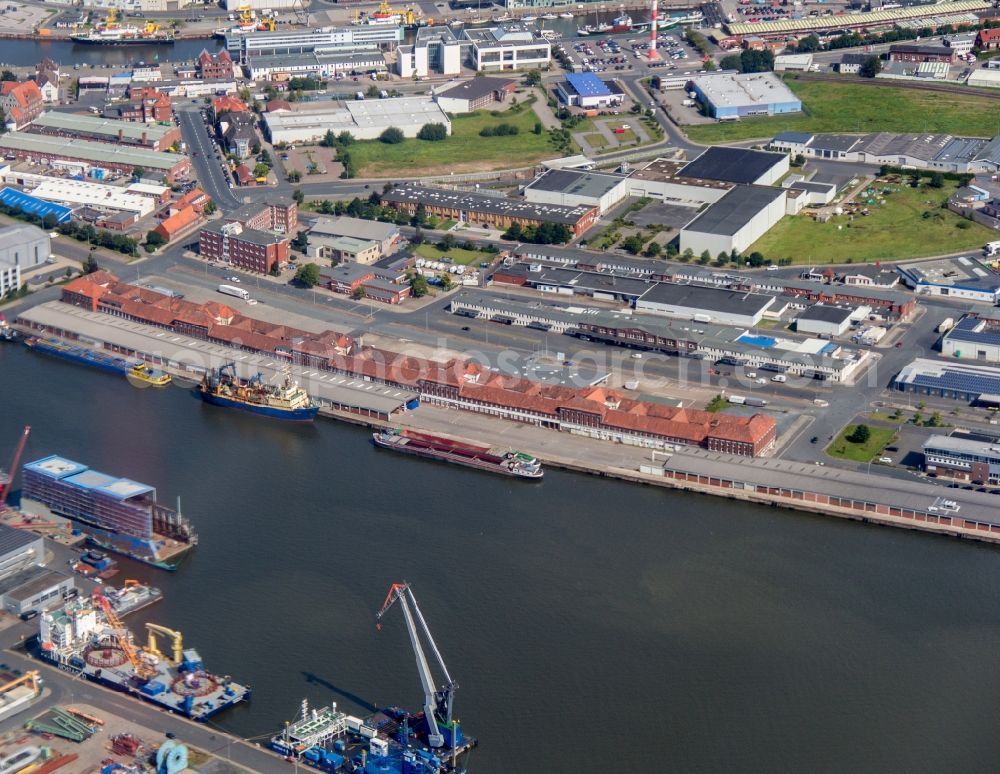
x=207, y=166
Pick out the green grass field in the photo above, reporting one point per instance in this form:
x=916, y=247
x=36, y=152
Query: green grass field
x=596, y=140
x=895, y=230
x=463, y=151
x=456, y=254
x=843, y=449
x=852, y=107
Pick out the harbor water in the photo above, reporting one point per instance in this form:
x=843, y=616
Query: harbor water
x=27, y=53
x=592, y=625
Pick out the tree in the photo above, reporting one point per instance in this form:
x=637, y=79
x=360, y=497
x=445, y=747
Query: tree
x=704, y=258
x=329, y=139
x=49, y=222
x=301, y=241
x=298, y=196
x=418, y=285
x=808, y=44
x=446, y=281
x=7, y=75
x=155, y=238
x=653, y=249
x=752, y=61
x=433, y=132
x=308, y=275
x=210, y=207
x=937, y=180
x=345, y=138
x=533, y=78
x=871, y=67
x=294, y=176
x=261, y=170
x=276, y=269
x=731, y=62
x=138, y=172
x=359, y=293
x=860, y=434
x=633, y=244
x=447, y=242
x=392, y=136
x=90, y=265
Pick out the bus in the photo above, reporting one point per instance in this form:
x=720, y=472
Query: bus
x=232, y=290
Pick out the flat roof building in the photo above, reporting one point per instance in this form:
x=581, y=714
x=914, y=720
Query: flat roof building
x=105, y=197
x=728, y=96
x=825, y=320
x=737, y=165
x=22, y=247
x=710, y=305
x=735, y=222
x=364, y=119
x=572, y=188
x=960, y=380
x=973, y=338
x=385, y=235
x=586, y=90
x=474, y=94
x=963, y=277
x=964, y=458
x=506, y=47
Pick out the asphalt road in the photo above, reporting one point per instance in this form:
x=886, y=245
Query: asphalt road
x=207, y=168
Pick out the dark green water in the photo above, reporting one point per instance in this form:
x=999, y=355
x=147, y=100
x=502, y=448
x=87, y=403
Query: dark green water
x=593, y=626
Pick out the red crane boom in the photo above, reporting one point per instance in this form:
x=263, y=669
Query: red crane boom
x=5, y=485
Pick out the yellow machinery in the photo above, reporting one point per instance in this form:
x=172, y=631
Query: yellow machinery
x=111, y=19
x=31, y=678
x=266, y=25
x=178, y=643
x=142, y=670
x=246, y=14
x=151, y=28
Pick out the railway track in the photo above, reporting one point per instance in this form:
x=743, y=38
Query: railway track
x=966, y=91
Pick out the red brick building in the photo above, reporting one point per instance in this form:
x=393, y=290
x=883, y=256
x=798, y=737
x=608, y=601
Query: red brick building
x=215, y=66
x=909, y=52
x=146, y=105
x=178, y=223
x=244, y=248
x=276, y=213
x=22, y=102
x=988, y=39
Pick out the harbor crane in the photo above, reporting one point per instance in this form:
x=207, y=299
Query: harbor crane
x=123, y=638
x=437, y=703
x=177, y=643
x=7, y=480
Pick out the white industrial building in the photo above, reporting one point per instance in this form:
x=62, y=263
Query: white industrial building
x=974, y=337
x=434, y=50
x=961, y=278
x=704, y=304
x=260, y=5
x=729, y=96
x=75, y=193
x=793, y=62
x=572, y=188
x=736, y=221
x=987, y=78
x=326, y=40
x=364, y=119
x=828, y=320
x=21, y=247
x=662, y=179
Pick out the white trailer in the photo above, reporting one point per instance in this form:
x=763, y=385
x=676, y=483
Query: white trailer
x=232, y=290
x=991, y=249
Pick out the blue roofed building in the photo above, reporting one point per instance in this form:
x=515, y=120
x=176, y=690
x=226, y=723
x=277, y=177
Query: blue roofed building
x=974, y=337
x=586, y=90
x=968, y=381
x=32, y=205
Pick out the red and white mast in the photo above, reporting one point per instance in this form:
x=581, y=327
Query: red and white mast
x=653, y=53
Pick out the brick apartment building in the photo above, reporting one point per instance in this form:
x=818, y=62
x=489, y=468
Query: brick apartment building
x=146, y=105
x=244, y=248
x=22, y=102
x=215, y=66
x=276, y=213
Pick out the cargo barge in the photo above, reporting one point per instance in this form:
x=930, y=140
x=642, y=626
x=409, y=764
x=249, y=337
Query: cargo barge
x=506, y=462
x=116, y=514
x=106, y=362
x=87, y=638
x=223, y=387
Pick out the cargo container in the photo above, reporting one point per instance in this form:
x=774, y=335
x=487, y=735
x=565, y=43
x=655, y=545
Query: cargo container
x=232, y=290
x=946, y=325
x=739, y=400
x=758, y=402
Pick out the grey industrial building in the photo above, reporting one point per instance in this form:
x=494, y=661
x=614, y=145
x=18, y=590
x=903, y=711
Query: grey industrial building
x=737, y=165
x=941, y=152
x=974, y=337
x=695, y=302
x=972, y=382
x=572, y=187
x=825, y=319
x=386, y=235
x=736, y=221
x=34, y=588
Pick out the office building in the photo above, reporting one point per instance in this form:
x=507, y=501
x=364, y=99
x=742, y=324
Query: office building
x=243, y=248
x=965, y=458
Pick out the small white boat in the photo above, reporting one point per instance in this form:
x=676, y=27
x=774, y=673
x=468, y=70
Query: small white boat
x=565, y=15
x=529, y=18
x=549, y=16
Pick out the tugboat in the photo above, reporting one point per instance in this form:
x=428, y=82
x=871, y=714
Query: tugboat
x=6, y=332
x=153, y=376
x=222, y=387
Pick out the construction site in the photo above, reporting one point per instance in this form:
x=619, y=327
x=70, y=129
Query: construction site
x=87, y=637
x=391, y=740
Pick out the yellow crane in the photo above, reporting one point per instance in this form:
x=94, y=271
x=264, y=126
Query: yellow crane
x=151, y=28
x=111, y=18
x=246, y=14
x=30, y=678
x=178, y=643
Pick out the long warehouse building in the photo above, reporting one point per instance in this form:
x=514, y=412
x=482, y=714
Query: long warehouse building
x=155, y=137
x=88, y=155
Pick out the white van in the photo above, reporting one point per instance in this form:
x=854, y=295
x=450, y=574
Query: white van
x=779, y=378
